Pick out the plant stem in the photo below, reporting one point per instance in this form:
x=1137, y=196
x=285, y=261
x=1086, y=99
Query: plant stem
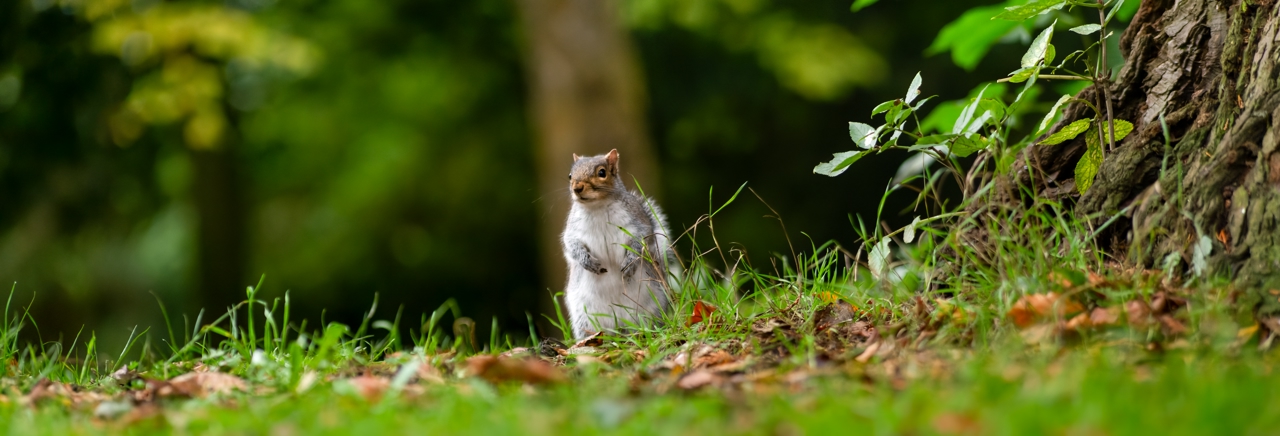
x=1104, y=76
x=1051, y=77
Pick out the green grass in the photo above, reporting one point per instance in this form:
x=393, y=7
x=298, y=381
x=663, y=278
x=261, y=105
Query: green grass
x=946, y=357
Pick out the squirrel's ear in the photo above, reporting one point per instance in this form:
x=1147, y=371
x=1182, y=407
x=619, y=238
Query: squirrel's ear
x=612, y=158
x=576, y=157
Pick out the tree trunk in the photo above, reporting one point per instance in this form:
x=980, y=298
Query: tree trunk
x=586, y=96
x=221, y=223
x=1210, y=68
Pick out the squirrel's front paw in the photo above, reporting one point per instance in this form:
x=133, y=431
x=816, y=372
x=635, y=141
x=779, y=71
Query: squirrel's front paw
x=593, y=265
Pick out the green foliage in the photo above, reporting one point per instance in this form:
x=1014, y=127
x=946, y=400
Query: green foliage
x=1089, y=164
x=971, y=36
x=816, y=59
x=970, y=133
x=859, y=4
x=1030, y=9
x=1069, y=132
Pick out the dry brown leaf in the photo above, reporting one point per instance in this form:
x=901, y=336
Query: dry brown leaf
x=67, y=394
x=697, y=379
x=371, y=387
x=1138, y=313
x=517, y=352
x=1172, y=326
x=594, y=340
x=715, y=357
x=955, y=423
x=1079, y=322
x=202, y=384
x=701, y=311
x=1031, y=308
x=766, y=326
x=1101, y=316
x=429, y=374
x=496, y=369
x=867, y=353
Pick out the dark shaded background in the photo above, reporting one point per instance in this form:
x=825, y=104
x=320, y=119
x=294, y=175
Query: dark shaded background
x=385, y=147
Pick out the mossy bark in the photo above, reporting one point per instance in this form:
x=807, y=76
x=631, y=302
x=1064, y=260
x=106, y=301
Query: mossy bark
x=1210, y=68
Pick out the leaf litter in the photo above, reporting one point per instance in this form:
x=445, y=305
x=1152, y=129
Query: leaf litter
x=877, y=342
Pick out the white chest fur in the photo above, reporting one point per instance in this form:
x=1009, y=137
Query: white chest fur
x=606, y=301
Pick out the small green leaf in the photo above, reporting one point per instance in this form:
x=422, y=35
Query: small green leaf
x=1116, y=8
x=1088, y=166
x=971, y=36
x=914, y=90
x=1087, y=29
x=1036, y=52
x=1048, y=118
x=1031, y=9
x=839, y=163
x=921, y=103
x=967, y=114
x=862, y=134
x=1123, y=128
x=884, y=107
x=1071, y=131
x=898, y=114
x=1050, y=54
x=965, y=146
x=1023, y=74
x=859, y=4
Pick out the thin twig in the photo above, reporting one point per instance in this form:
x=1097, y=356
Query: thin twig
x=1050, y=77
x=1104, y=75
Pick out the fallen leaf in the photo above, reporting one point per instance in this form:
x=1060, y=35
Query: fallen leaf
x=429, y=374
x=1030, y=308
x=496, y=369
x=70, y=395
x=1079, y=322
x=517, y=352
x=202, y=384
x=766, y=326
x=594, y=340
x=1247, y=332
x=955, y=423
x=1038, y=334
x=701, y=311
x=1138, y=313
x=1101, y=316
x=124, y=375
x=1172, y=326
x=716, y=357
x=867, y=353
x=697, y=379
x=369, y=387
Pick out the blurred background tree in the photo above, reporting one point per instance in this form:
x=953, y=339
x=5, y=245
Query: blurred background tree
x=406, y=148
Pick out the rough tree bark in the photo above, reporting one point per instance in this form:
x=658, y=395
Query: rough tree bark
x=1210, y=67
x=586, y=96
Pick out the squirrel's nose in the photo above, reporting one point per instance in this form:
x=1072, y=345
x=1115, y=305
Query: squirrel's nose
x=577, y=189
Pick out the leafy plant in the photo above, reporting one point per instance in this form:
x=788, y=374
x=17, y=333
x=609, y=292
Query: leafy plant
x=985, y=122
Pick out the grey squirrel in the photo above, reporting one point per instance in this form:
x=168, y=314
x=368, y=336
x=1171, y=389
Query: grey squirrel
x=616, y=277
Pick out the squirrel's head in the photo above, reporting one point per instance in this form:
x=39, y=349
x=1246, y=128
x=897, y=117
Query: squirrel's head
x=594, y=177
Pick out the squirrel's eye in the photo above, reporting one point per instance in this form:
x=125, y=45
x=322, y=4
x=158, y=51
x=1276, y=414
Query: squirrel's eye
x=571, y=176
x=600, y=173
